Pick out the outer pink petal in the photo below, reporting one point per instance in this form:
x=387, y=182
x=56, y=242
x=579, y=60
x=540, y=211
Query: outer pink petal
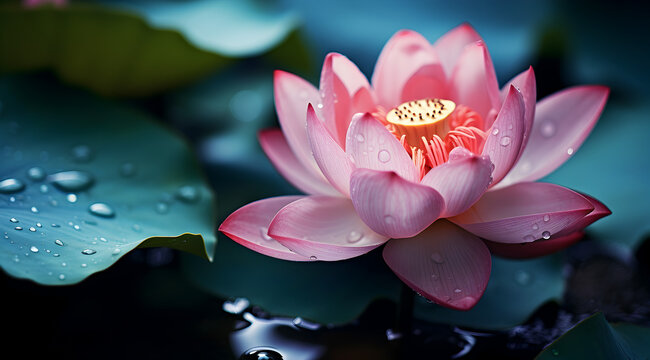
x=292, y=95
x=276, y=148
x=248, y=226
x=599, y=212
x=473, y=81
x=324, y=228
x=562, y=122
x=406, y=54
x=535, y=248
x=504, y=140
x=372, y=146
x=450, y=46
x=461, y=181
x=524, y=212
x=527, y=86
x=444, y=264
x=392, y=206
x=332, y=160
x=345, y=91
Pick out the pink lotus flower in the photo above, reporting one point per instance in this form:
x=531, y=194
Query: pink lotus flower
x=431, y=138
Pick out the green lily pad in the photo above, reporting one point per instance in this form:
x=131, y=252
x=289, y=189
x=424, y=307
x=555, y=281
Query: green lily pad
x=326, y=292
x=594, y=338
x=516, y=289
x=110, y=51
x=84, y=181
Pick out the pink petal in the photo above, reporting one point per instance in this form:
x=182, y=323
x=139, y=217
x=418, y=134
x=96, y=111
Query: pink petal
x=443, y=263
x=599, y=212
x=324, y=228
x=506, y=135
x=450, y=46
x=562, y=122
x=524, y=212
x=406, y=54
x=392, y=206
x=527, y=86
x=277, y=149
x=292, y=95
x=372, y=146
x=534, y=249
x=473, y=81
x=332, y=160
x=340, y=82
x=461, y=181
x=248, y=226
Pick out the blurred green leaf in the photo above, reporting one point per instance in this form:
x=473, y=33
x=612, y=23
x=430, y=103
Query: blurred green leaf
x=516, y=289
x=146, y=176
x=595, y=339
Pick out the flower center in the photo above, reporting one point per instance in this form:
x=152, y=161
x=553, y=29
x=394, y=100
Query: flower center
x=421, y=119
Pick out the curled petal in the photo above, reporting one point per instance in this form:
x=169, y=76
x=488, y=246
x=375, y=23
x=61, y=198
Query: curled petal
x=444, y=264
x=527, y=86
x=324, y=228
x=461, y=181
x=331, y=159
x=562, y=122
x=599, y=212
x=248, y=226
x=450, y=46
x=277, y=149
x=392, y=206
x=524, y=212
x=407, y=54
x=504, y=139
x=371, y=146
x=534, y=249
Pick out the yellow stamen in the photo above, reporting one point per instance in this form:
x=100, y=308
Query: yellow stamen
x=421, y=118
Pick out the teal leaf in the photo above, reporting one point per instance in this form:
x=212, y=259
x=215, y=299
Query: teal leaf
x=326, y=292
x=98, y=180
x=516, y=289
x=594, y=338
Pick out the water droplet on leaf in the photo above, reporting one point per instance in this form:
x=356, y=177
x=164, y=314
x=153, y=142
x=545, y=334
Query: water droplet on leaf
x=8, y=186
x=101, y=210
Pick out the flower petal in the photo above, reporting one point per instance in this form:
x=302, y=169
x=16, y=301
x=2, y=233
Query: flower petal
x=248, y=226
x=345, y=91
x=527, y=86
x=473, y=81
x=534, y=249
x=372, y=146
x=292, y=95
x=277, y=149
x=599, y=212
x=324, y=228
x=461, y=181
x=450, y=46
x=406, y=54
x=392, y=206
x=524, y=212
x=444, y=264
x=332, y=160
x=504, y=140
x=562, y=122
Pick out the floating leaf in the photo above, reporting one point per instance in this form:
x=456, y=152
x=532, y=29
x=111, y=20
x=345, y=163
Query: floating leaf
x=515, y=290
x=594, y=338
x=97, y=181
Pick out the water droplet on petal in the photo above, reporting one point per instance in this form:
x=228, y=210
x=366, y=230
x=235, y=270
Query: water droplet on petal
x=437, y=258
x=101, y=210
x=547, y=218
x=505, y=141
x=313, y=258
x=529, y=238
x=360, y=138
x=71, y=180
x=388, y=219
x=8, y=186
x=535, y=226
x=569, y=151
x=458, y=291
x=495, y=131
x=383, y=156
x=88, y=252
x=354, y=236
x=36, y=173
x=33, y=249
x=546, y=235
x=320, y=106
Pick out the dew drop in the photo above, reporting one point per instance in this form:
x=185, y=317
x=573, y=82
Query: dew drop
x=34, y=210
x=13, y=220
x=58, y=242
x=19, y=228
x=8, y=186
x=437, y=258
x=529, y=238
x=360, y=138
x=188, y=194
x=61, y=277
x=354, y=236
x=569, y=151
x=32, y=229
x=101, y=210
x=39, y=225
x=72, y=198
x=546, y=235
x=495, y=131
x=162, y=208
x=71, y=180
x=264, y=233
x=320, y=106
x=44, y=189
x=313, y=258
x=388, y=219
x=505, y=141
x=88, y=252
x=535, y=226
x=84, y=265
x=56, y=255
x=33, y=249
x=547, y=218
x=548, y=129
x=36, y=173
x=458, y=291
x=116, y=251
x=383, y=156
